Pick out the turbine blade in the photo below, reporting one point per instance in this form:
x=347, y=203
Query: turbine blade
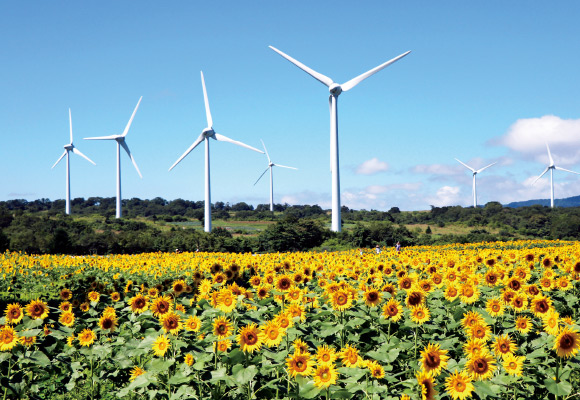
x=567, y=170
x=193, y=146
x=487, y=166
x=223, y=138
x=124, y=145
x=316, y=75
x=207, y=112
x=70, y=123
x=132, y=116
x=330, y=111
x=111, y=137
x=78, y=152
x=550, y=155
x=465, y=165
x=266, y=150
x=57, y=161
x=284, y=166
x=261, y=176
x=546, y=170
x=353, y=82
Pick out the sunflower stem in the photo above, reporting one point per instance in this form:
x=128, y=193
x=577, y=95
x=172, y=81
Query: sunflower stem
x=8, y=376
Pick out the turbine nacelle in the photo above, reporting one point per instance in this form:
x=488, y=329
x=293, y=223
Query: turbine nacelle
x=208, y=132
x=335, y=89
x=68, y=147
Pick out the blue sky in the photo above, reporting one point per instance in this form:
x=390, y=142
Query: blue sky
x=485, y=82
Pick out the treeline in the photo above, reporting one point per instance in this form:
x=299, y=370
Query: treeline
x=41, y=226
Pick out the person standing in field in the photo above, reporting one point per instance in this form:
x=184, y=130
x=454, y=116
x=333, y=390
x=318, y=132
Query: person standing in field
x=378, y=249
x=398, y=247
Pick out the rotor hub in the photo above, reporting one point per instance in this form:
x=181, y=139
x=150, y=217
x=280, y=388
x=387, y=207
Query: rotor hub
x=335, y=89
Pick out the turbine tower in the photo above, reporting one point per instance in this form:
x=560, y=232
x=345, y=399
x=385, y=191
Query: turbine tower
x=120, y=139
x=335, y=90
x=475, y=172
x=205, y=135
x=67, y=149
x=551, y=168
x=270, y=165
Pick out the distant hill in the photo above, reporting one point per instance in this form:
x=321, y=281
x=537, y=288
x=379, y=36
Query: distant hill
x=567, y=202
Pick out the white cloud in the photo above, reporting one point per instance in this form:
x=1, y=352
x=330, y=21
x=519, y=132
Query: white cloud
x=446, y=196
x=438, y=169
x=372, y=166
x=529, y=136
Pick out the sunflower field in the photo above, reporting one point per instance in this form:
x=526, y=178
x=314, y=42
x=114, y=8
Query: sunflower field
x=486, y=320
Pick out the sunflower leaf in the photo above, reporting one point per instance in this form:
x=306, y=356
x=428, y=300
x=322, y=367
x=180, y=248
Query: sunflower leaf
x=561, y=388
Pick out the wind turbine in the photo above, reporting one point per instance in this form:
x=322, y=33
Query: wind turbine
x=475, y=172
x=205, y=135
x=270, y=165
x=120, y=139
x=335, y=90
x=67, y=149
x=551, y=168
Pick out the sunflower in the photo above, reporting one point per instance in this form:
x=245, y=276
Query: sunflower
x=226, y=301
x=414, y=298
x=67, y=318
x=433, y=359
x=153, y=292
x=283, y=283
x=115, y=296
x=37, y=309
x=189, y=360
x=13, y=314
x=87, y=337
x=171, y=322
x=503, y=345
x=179, y=286
x=451, y=292
x=161, y=345
x=272, y=334
x=350, y=357
x=341, y=300
x=27, y=341
x=262, y=292
x=494, y=307
x=222, y=327
x=377, y=371
x=372, y=297
x=563, y=283
x=8, y=338
x=474, y=347
x=161, y=305
x=393, y=310
x=471, y=318
x=540, y=305
x=193, y=323
x=300, y=346
x=249, y=338
x=523, y=324
x=255, y=281
x=491, y=278
x=223, y=345
x=139, y=303
x=294, y=295
x=481, y=367
x=65, y=306
x=108, y=322
x=405, y=283
x=513, y=364
x=520, y=302
x=468, y=294
x=324, y=376
x=427, y=385
x=458, y=385
x=567, y=342
x=300, y=364
x=65, y=294
x=284, y=320
x=480, y=332
x=135, y=372
x=325, y=355
x=297, y=311
x=551, y=322
x=420, y=314
x=93, y=297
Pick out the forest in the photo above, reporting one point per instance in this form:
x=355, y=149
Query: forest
x=42, y=227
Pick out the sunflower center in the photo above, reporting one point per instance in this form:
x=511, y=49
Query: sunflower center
x=415, y=298
x=495, y=307
x=393, y=311
x=566, y=341
x=460, y=386
x=372, y=296
x=273, y=334
x=504, y=348
x=107, y=324
x=468, y=291
x=251, y=338
x=221, y=329
x=341, y=299
x=512, y=365
x=480, y=366
x=432, y=360
x=300, y=365
x=324, y=376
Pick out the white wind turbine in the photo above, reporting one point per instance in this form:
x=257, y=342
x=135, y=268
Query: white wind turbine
x=67, y=149
x=475, y=172
x=270, y=165
x=551, y=168
x=205, y=135
x=120, y=139
x=335, y=90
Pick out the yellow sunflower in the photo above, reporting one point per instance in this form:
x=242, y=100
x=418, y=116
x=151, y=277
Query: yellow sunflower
x=540, y=305
x=325, y=355
x=108, y=322
x=13, y=313
x=37, y=309
x=138, y=303
x=8, y=338
x=341, y=300
x=459, y=386
x=67, y=318
x=393, y=310
x=523, y=324
x=161, y=305
x=188, y=359
x=350, y=357
x=93, y=297
x=325, y=375
x=135, y=372
x=551, y=322
x=494, y=307
x=222, y=327
x=433, y=359
x=481, y=367
x=223, y=345
x=513, y=364
x=427, y=385
x=171, y=322
x=272, y=334
x=480, y=332
x=567, y=342
x=420, y=314
x=193, y=323
x=27, y=341
x=249, y=338
x=226, y=301
x=300, y=364
x=377, y=371
x=87, y=337
x=161, y=345
x=503, y=345
x=65, y=294
x=372, y=297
